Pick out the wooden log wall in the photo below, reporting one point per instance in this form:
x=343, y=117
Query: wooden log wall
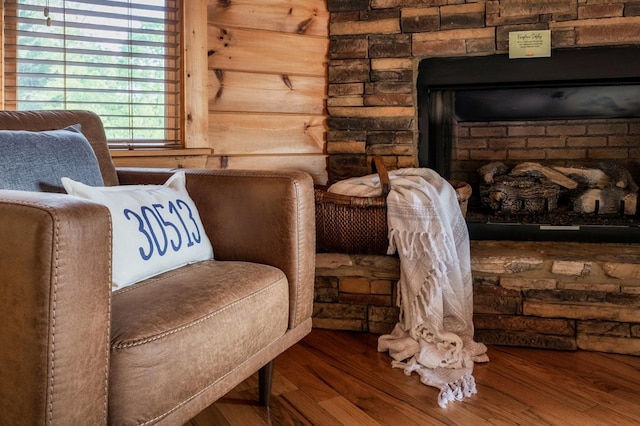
x=265, y=89
x=267, y=84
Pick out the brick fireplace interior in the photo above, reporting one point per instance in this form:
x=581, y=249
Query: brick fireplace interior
x=578, y=110
x=548, y=294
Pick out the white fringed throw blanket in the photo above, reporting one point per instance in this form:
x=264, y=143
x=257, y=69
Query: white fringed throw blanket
x=434, y=334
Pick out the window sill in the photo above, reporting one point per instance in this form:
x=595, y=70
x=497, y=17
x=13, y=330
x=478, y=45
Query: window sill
x=193, y=158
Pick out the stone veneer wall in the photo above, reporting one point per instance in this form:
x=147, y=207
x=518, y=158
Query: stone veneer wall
x=544, y=295
x=553, y=295
x=375, y=47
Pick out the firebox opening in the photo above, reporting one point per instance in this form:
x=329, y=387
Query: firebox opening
x=576, y=112
x=548, y=103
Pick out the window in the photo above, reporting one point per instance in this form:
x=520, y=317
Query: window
x=118, y=58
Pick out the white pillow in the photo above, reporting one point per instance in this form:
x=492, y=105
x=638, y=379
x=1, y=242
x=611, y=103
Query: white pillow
x=156, y=228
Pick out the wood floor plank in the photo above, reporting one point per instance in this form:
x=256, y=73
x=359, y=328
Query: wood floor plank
x=604, y=415
x=281, y=384
x=375, y=367
x=338, y=378
x=496, y=405
x=369, y=366
x=348, y=413
x=554, y=406
x=382, y=393
x=622, y=405
x=239, y=411
x=208, y=417
x=306, y=378
x=372, y=401
x=588, y=383
x=312, y=411
x=561, y=392
x=281, y=412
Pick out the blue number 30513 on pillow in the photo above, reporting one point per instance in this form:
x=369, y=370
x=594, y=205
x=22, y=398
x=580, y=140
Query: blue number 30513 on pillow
x=156, y=228
x=162, y=223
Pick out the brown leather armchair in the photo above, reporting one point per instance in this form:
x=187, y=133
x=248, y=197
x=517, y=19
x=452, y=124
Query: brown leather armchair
x=72, y=351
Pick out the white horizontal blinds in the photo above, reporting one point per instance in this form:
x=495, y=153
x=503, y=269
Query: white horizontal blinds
x=118, y=58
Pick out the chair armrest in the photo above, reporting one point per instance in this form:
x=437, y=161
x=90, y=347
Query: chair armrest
x=256, y=216
x=55, y=298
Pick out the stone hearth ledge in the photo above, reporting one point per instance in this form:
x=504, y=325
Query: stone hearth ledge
x=552, y=295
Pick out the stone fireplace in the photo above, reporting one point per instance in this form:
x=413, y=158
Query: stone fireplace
x=544, y=294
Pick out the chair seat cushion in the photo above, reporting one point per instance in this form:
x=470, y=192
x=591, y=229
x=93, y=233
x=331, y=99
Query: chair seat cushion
x=191, y=326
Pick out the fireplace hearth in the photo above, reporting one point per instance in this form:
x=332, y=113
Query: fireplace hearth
x=578, y=109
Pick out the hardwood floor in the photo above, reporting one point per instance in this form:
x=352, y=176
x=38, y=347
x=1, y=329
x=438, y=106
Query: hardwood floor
x=338, y=378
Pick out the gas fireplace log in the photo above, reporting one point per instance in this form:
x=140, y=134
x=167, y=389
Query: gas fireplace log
x=592, y=178
x=491, y=170
x=610, y=200
x=538, y=170
x=621, y=176
x=520, y=195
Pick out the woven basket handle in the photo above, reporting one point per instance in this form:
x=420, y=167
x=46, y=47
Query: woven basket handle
x=381, y=169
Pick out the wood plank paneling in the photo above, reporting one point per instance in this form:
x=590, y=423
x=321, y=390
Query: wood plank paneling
x=179, y=158
x=2, y=54
x=8, y=71
x=315, y=165
x=194, y=75
x=267, y=84
x=251, y=92
x=245, y=134
x=246, y=49
x=270, y=105
x=308, y=17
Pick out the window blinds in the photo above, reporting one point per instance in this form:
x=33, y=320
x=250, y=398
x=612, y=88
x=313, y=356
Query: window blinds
x=118, y=58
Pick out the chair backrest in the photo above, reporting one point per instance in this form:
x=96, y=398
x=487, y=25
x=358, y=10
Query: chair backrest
x=91, y=124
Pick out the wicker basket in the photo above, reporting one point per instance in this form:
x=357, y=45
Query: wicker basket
x=358, y=225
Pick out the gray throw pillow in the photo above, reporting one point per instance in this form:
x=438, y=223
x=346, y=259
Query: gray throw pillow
x=36, y=161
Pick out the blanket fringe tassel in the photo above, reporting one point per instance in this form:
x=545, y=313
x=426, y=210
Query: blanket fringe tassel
x=458, y=390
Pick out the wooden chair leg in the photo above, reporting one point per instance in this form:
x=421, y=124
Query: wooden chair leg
x=264, y=384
